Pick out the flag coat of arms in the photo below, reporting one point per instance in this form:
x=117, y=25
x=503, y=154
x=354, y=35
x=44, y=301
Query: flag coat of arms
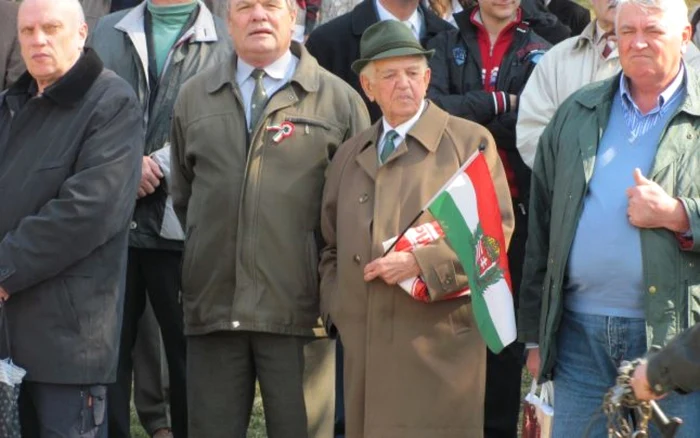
x=468, y=212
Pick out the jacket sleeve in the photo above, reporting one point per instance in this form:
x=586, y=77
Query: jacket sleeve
x=537, y=246
x=477, y=105
x=536, y=107
x=543, y=22
x=181, y=171
x=92, y=205
x=677, y=365
x=440, y=268
x=692, y=208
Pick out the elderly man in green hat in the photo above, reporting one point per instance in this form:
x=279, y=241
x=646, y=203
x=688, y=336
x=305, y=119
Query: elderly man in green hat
x=412, y=369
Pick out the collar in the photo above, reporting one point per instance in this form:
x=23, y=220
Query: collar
x=427, y=130
x=306, y=74
x=665, y=95
x=202, y=31
x=414, y=20
x=406, y=126
x=479, y=22
x=599, y=33
x=277, y=70
x=71, y=87
x=587, y=35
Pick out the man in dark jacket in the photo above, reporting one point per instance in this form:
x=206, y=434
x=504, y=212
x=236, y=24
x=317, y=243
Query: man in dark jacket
x=571, y=14
x=676, y=367
x=177, y=39
x=479, y=77
x=11, y=65
x=69, y=168
x=336, y=44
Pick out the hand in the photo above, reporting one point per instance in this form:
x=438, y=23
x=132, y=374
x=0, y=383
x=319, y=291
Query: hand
x=533, y=362
x=640, y=384
x=393, y=268
x=4, y=296
x=649, y=206
x=150, y=177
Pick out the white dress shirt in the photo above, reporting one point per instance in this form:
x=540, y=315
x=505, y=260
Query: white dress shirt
x=414, y=22
x=402, y=130
x=276, y=76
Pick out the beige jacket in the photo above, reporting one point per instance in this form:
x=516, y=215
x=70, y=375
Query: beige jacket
x=251, y=207
x=412, y=370
x=565, y=68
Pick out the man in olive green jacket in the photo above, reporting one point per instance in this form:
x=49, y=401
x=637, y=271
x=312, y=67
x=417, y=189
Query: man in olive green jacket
x=251, y=141
x=612, y=263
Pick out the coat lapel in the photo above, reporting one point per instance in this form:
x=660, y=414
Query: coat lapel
x=367, y=157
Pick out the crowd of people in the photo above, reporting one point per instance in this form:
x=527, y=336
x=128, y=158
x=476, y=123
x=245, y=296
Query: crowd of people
x=196, y=197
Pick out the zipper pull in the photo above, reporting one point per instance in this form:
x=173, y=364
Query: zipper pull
x=522, y=208
x=306, y=129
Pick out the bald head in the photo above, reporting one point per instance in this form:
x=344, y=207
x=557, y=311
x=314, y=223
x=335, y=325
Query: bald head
x=52, y=36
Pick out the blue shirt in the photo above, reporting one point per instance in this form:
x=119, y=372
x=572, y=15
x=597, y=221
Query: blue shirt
x=605, y=275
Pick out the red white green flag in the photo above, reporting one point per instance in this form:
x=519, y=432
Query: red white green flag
x=468, y=211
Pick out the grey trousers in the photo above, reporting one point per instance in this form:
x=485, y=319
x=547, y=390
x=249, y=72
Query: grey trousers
x=150, y=375
x=63, y=411
x=296, y=377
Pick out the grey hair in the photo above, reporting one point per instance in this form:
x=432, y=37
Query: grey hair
x=674, y=10
x=291, y=4
x=369, y=70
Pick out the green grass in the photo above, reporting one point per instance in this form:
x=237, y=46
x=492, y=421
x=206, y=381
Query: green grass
x=257, y=421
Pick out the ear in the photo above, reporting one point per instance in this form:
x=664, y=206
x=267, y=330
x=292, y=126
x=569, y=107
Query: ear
x=83, y=33
x=426, y=78
x=367, y=87
x=686, y=35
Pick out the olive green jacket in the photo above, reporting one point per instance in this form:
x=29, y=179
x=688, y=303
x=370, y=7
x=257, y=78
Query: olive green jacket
x=251, y=204
x=562, y=171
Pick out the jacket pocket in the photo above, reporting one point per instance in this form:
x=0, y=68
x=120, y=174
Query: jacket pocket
x=312, y=263
x=462, y=319
x=66, y=304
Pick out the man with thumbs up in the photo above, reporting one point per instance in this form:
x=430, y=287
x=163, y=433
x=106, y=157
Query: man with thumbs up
x=612, y=263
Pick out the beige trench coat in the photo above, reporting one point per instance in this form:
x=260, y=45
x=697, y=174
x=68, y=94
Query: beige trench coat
x=411, y=369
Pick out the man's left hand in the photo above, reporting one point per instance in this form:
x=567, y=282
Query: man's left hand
x=3, y=294
x=649, y=206
x=393, y=268
x=640, y=384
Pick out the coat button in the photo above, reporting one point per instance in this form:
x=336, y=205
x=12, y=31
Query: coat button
x=448, y=280
x=652, y=289
x=4, y=272
x=356, y=258
x=363, y=198
x=235, y=324
x=133, y=225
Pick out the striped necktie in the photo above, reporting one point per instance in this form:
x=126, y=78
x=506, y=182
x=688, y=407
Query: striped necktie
x=388, y=147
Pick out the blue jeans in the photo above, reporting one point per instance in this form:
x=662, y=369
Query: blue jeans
x=589, y=350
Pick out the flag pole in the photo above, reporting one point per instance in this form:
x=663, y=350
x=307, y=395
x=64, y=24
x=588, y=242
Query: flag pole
x=393, y=244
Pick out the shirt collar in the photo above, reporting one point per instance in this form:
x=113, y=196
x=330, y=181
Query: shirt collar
x=599, y=33
x=415, y=21
x=406, y=126
x=277, y=70
x=665, y=95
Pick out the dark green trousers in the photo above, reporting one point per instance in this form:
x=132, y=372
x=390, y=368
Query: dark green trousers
x=296, y=377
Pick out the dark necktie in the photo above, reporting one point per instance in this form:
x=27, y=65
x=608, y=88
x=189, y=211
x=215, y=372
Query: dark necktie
x=259, y=98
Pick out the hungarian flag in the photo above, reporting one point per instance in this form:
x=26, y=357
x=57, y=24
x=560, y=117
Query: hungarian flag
x=467, y=209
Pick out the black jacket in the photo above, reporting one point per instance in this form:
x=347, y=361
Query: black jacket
x=677, y=365
x=544, y=22
x=457, y=87
x=571, y=14
x=70, y=162
x=336, y=44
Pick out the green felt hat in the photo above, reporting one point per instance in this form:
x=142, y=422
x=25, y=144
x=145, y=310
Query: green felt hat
x=388, y=39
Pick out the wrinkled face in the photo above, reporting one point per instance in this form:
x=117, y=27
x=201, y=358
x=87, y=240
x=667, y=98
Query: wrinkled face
x=398, y=85
x=51, y=37
x=499, y=9
x=605, y=12
x=261, y=29
x=650, y=44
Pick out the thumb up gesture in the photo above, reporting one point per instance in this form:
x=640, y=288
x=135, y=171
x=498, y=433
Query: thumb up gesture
x=649, y=206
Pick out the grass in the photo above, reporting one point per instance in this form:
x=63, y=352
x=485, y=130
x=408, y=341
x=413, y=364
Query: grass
x=257, y=421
